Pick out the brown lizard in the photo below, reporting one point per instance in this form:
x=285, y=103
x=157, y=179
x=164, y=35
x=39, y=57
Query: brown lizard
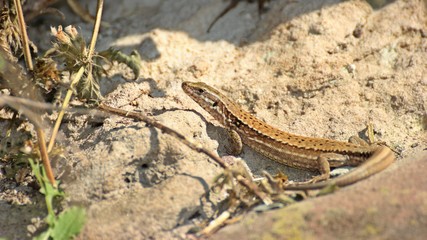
x=289, y=149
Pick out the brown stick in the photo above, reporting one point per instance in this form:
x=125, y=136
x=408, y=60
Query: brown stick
x=195, y=146
x=164, y=129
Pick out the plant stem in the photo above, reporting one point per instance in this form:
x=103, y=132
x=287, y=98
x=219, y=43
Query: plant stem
x=27, y=54
x=67, y=98
x=23, y=28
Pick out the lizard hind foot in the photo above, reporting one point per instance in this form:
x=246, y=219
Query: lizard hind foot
x=319, y=178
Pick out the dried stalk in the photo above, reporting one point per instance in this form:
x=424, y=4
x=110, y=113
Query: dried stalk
x=23, y=28
x=27, y=54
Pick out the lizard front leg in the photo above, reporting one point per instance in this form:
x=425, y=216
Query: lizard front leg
x=236, y=143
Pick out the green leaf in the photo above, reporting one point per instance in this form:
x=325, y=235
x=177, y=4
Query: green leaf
x=69, y=223
x=46, y=188
x=43, y=236
x=133, y=61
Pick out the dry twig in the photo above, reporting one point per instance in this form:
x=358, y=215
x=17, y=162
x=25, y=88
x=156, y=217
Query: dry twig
x=195, y=146
x=40, y=133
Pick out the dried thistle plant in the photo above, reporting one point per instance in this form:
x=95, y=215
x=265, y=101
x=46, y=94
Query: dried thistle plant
x=70, y=50
x=10, y=38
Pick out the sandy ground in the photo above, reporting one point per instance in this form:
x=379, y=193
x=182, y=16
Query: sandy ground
x=314, y=68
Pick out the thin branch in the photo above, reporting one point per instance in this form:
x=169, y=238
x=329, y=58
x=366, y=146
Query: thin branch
x=104, y=109
x=195, y=146
x=254, y=188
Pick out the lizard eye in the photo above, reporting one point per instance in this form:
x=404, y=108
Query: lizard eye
x=200, y=90
x=214, y=104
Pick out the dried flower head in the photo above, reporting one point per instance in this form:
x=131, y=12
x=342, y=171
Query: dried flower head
x=60, y=35
x=72, y=31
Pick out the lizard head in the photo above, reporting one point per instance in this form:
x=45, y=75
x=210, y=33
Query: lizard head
x=210, y=99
